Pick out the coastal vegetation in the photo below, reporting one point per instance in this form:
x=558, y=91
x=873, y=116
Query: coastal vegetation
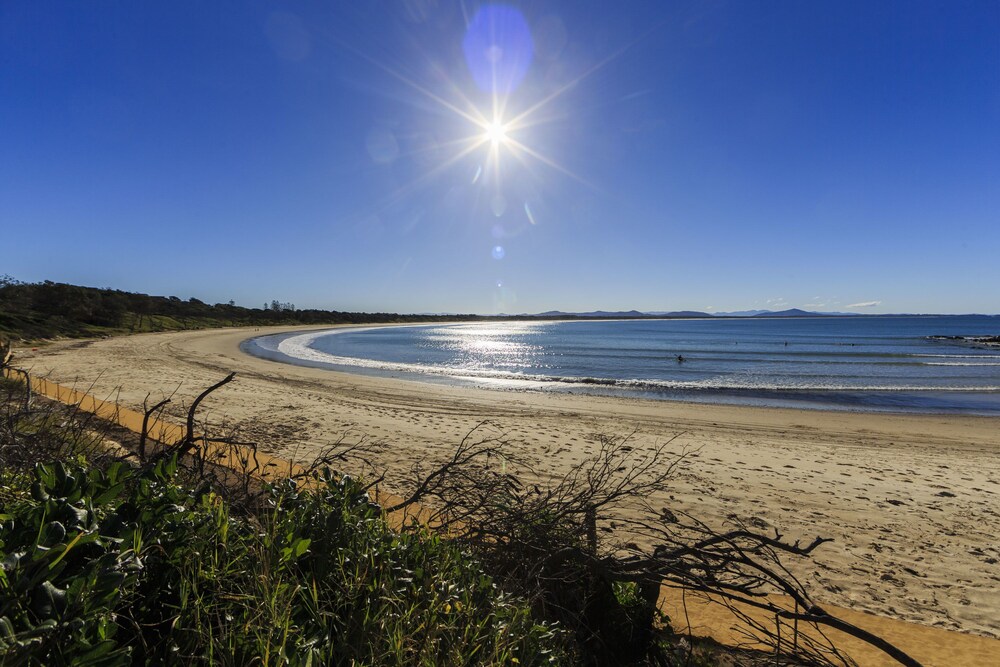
x=35, y=311
x=108, y=560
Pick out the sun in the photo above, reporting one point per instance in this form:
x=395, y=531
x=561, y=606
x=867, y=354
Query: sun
x=496, y=132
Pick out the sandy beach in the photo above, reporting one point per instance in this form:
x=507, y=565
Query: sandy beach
x=910, y=500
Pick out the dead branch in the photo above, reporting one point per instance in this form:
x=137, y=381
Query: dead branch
x=353, y=449
x=146, y=414
x=458, y=467
x=187, y=443
x=540, y=540
x=189, y=434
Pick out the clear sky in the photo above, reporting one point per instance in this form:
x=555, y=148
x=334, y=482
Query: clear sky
x=436, y=156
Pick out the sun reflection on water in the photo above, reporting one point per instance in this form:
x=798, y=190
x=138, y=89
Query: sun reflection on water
x=479, y=346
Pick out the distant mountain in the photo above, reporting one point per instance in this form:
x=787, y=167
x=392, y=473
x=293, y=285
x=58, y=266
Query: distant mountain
x=681, y=313
x=612, y=313
x=593, y=313
x=622, y=314
x=791, y=312
x=743, y=313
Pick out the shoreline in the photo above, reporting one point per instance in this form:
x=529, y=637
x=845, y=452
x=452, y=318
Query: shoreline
x=874, y=400
x=909, y=499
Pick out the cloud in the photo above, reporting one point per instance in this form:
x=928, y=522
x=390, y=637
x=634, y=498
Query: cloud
x=813, y=305
x=865, y=304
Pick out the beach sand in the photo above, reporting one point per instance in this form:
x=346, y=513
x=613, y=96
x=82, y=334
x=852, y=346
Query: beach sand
x=910, y=500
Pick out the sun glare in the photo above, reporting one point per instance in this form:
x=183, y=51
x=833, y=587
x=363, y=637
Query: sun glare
x=498, y=50
x=496, y=132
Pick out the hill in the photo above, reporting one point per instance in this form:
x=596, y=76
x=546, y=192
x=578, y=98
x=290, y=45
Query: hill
x=791, y=312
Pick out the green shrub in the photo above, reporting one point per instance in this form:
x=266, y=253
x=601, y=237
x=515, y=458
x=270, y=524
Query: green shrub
x=111, y=567
x=65, y=569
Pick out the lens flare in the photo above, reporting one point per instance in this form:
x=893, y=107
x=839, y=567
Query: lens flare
x=498, y=48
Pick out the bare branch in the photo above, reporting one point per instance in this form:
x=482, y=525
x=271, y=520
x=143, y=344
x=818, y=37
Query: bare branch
x=146, y=414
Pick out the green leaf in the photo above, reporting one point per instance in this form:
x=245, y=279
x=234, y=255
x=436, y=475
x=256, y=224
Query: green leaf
x=48, y=601
x=44, y=474
x=53, y=533
x=109, y=494
x=99, y=651
x=61, y=476
x=38, y=491
x=300, y=546
x=116, y=472
x=6, y=629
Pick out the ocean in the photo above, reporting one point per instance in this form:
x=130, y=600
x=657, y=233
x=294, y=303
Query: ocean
x=928, y=364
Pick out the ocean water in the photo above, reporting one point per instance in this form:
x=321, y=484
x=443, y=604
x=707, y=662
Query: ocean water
x=846, y=363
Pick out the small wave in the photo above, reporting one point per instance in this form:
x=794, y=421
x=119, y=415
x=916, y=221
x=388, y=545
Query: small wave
x=298, y=347
x=956, y=363
x=968, y=339
x=958, y=356
x=754, y=386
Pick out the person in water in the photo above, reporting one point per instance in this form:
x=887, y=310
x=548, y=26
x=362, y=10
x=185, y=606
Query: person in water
x=680, y=359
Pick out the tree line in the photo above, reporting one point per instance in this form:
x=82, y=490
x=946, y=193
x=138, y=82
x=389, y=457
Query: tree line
x=46, y=309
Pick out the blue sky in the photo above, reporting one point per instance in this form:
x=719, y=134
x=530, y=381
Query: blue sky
x=652, y=155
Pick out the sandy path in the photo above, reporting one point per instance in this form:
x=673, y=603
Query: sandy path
x=912, y=501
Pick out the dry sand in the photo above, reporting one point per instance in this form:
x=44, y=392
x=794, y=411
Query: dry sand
x=911, y=501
